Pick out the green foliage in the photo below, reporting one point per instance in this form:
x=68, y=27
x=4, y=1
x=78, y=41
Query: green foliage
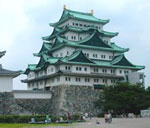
x=123, y=98
x=75, y=117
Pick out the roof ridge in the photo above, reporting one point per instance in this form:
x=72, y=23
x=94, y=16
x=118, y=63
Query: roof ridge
x=78, y=12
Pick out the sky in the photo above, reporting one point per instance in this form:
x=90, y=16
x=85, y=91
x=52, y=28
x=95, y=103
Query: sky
x=24, y=22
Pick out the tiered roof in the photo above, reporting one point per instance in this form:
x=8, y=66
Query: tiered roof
x=60, y=31
x=93, y=42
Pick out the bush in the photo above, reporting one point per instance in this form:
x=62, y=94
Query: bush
x=75, y=117
x=23, y=119
x=7, y=119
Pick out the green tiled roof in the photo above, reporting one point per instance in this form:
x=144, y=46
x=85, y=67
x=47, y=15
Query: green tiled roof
x=87, y=17
x=92, y=42
x=89, y=30
x=78, y=56
x=45, y=48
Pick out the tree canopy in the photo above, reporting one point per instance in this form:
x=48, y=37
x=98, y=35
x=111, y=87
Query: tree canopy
x=123, y=98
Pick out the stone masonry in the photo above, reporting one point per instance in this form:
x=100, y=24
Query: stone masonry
x=72, y=99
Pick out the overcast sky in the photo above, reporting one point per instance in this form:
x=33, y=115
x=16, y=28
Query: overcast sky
x=24, y=22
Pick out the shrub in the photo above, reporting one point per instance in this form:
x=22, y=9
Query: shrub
x=75, y=117
x=6, y=119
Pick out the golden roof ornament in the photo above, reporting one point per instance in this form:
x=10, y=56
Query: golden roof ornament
x=65, y=7
x=92, y=11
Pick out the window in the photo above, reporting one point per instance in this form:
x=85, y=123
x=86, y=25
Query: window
x=76, y=24
x=112, y=71
x=85, y=69
x=61, y=54
x=67, y=68
x=67, y=78
x=78, y=79
x=112, y=81
x=120, y=71
x=87, y=54
x=80, y=68
x=80, y=24
x=41, y=82
x=87, y=80
x=110, y=57
x=96, y=80
x=72, y=23
x=84, y=25
x=103, y=56
x=104, y=70
x=99, y=27
x=80, y=38
x=67, y=52
x=52, y=69
x=77, y=68
x=58, y=79
x=72, y=37
x=104, y=80
x=95, y=55
x=95, y=69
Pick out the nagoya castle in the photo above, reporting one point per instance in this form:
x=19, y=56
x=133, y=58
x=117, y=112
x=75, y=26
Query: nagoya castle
x=76, y=61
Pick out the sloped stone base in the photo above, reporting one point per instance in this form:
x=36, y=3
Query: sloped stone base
x=74, y=99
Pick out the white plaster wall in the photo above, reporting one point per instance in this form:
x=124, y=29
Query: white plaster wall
x=123, y=72
x=82, y=69
x=51, y=69
x=69, y=34
x=99, y=53
x=31, y=75
x=63, y=52
x=32, y=95
x=106, y=39
x=71, y=21
x=6, y=83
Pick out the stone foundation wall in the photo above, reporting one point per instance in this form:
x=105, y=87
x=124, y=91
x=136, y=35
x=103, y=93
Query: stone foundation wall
x=74, y=99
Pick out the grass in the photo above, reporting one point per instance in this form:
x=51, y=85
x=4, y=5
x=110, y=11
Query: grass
x=11, y=125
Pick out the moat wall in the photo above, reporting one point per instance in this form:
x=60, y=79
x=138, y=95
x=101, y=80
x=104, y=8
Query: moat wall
x=72, y=99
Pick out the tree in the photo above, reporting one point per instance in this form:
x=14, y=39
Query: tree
x=124, y=98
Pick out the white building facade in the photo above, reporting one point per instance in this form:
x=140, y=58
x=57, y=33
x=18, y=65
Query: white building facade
x=79, y=52
x=6, y=77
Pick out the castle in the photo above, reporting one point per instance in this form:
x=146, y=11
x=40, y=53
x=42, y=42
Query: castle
x=76, y=62
x=79, y=52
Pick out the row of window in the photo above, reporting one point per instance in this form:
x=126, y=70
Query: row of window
x=85, y=25
x=96, y=80
x=96, y=56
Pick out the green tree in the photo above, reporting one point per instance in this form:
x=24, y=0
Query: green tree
x=124, y=98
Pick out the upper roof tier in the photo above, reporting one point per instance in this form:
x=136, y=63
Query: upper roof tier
x=91, y=42
x=59, y=31
x=87, y=17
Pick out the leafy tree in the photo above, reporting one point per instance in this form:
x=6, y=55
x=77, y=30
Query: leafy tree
x=123, y=98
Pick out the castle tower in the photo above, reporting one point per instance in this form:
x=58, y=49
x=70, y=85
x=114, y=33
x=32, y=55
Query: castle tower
x=79, y=52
